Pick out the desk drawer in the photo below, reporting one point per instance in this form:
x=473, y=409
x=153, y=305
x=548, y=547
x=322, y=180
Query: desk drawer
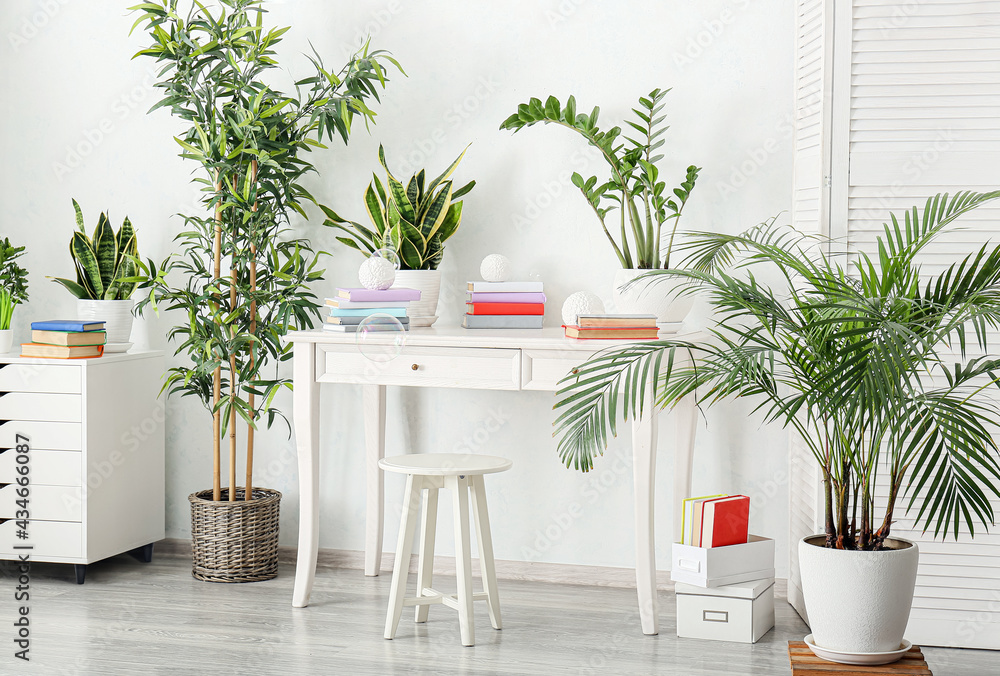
x=56, y=436
x=465, y=367
x=48, y=468
x=59, y=539
x=40, y=378
x=48, y=503
x=543, y=369
x=41, y=406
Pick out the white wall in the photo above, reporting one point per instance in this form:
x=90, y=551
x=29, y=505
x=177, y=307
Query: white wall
x=74, y=125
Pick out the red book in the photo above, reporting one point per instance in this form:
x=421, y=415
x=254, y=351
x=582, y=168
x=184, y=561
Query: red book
x=505, y=308
x=725, y=521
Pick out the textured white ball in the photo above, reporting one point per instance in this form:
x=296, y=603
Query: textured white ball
x=581, y=303
x=495, y=268
x=377, y=273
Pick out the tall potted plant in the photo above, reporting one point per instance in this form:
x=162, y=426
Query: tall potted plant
x=105, y=276
x=13, y=290
x=241, y=279
x=858, y=359
x=414, y=221
x=648, y=215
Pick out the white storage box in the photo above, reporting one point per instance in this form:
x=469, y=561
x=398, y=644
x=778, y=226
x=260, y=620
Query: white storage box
x=738, y=612
x=717, y=566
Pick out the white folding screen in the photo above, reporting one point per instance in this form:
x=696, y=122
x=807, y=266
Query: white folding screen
x=914, y=109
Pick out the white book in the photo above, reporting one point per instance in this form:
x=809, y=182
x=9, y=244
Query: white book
x=345, y=304
x=506, y=287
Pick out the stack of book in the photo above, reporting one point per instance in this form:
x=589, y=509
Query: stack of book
x=716, y=521
x=611, y=327
x=65, y=339
x=504, y=305
x=386, y=307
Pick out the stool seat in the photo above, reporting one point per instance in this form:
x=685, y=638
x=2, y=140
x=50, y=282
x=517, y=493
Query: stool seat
x=445, y=464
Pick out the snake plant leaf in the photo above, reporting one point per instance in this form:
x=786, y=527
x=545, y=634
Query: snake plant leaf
x=73, y=288
x=413, y=191
x=106, y=248
x=435, y=252
x=447, y=172
x=398, y=196
x=87, y=265
x=420, y=185
x=451, y=222
x=411, y=245
x=375, y=210
x=461, y=192
x=437, y=209
x=79, y=217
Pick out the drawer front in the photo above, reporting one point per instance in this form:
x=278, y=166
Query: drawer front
x=40, y=378
x=55, y=539
x=715, y=617
x=55, y=436
x=543, y=369
x=48, y=503
x=41, y=406
x=45, y=468
x=465, y=367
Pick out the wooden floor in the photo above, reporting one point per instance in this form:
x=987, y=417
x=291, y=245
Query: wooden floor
x=133, y=618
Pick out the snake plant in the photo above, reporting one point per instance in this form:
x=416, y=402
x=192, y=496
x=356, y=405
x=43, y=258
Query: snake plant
x=413, y=219
x=103, y=262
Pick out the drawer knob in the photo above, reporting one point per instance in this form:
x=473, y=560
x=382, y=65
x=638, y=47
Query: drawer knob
x=414, y=367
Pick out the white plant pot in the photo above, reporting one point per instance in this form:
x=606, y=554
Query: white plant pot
x=858, y=602
x=117, y=315
x=6, y=340
x=656, y=297
x=424, y=311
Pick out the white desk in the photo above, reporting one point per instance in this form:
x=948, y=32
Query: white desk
x=461, y=358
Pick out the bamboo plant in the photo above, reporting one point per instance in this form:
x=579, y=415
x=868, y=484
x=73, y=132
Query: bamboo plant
x=13, y=281
x=243, y=276
x=634, y=187
x=883, y=372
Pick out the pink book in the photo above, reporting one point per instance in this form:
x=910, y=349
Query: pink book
x=394, y=294
x=509, y=297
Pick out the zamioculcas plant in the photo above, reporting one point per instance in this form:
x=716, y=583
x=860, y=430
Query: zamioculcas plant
x=634, y=187
x=105, y=263
x=414, y=219
x=865, y=358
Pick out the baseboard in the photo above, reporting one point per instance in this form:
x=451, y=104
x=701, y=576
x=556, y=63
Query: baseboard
x=533, y=571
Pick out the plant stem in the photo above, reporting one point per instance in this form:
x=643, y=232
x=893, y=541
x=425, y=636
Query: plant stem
x=232, y=388
x=253, y=331
x=217, y=374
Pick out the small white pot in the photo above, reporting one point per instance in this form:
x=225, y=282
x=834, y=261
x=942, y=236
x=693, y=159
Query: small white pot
x=424, y=311
x=6, y=340
x=117, y=315
x=648, y=296
x=858, y=602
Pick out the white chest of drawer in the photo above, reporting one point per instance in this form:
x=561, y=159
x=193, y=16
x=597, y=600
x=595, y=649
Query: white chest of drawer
x=96, y=461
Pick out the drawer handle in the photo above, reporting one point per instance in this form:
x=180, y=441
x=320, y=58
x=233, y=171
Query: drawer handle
x=715, y=616
x=690, y=565
x=414, y=367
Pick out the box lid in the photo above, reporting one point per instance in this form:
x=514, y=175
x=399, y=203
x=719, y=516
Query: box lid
x=741, y=590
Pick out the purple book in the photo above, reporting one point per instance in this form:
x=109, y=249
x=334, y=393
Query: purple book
x=379, y=294
x=509, y=297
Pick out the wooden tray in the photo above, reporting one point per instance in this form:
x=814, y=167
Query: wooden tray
x=804, y=663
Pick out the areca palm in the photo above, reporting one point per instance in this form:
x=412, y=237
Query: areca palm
x=865, y=357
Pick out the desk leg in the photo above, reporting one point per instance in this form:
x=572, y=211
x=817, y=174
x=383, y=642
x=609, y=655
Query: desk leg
x=644, y=478
x=305, y=404
x=374, y=408
x=686, y=417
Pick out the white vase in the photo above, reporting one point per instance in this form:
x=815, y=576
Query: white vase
x=858, y=602
x=6, y=340
x=117, y=316
x=651, y=296
x=424, y=311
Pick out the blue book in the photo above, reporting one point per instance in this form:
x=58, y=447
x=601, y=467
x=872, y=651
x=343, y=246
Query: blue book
x=68, y=325
x=364, y=312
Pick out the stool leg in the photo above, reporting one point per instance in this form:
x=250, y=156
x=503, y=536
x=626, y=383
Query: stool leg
x=425, y=571
x=463, y=560
x=487, y=566
x=404, y=546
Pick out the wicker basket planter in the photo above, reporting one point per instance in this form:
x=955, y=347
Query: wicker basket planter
x=235, y=541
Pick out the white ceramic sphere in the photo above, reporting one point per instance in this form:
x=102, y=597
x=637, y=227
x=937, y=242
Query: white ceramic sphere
x=581, y=303
x=377, y=273
x=495, y=268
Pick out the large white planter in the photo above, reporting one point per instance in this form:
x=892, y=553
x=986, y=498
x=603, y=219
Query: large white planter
x=6, y=340
x=858, y=602
x=424, y=311
x=117, y=315
x=658, y=297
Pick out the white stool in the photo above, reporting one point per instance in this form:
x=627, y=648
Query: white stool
x=462, y=474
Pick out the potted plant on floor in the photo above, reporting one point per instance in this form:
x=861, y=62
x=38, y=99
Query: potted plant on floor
x=414, y=221
x=242, y=278
x=105, y=272
x=648, y=215
x=866, y=360
x=13, y=290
